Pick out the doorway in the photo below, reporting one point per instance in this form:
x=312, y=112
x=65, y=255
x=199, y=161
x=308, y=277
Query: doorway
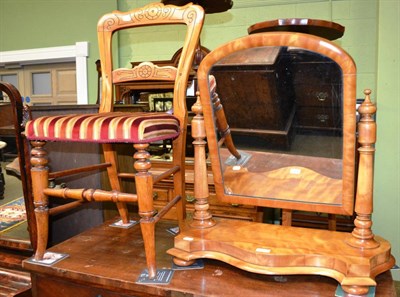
x=45, y=84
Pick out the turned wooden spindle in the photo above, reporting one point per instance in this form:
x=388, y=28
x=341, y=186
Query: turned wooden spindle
x=202, y=218
x=362, y=235
x=40, y=177
x=223, y=127
x=144, y=190
x=112, y=173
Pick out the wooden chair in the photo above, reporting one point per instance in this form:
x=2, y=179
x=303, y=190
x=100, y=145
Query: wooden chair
x=110, y=128
x=20, y=166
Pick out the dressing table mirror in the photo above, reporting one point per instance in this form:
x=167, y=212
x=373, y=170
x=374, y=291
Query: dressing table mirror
x=294, y=148
x=288, y=129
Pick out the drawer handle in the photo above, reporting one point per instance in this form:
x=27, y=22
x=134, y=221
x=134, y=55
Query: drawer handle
x=322, y=96
x=155, y=196
x=190, y=198
x=322, y=117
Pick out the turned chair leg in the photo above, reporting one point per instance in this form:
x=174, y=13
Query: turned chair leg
x=144, y=191
x=179, y=183
x=181, y=210
x=40, y=174
x=112, y=171
x=147, y=226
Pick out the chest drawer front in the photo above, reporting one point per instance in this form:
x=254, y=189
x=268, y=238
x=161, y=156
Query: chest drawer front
x=50, y=287
x=316, y=73
x=317, y=84
x=318, y=95
x=217, y=208
x=319, y=117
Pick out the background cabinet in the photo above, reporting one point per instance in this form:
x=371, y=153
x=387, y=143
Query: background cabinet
x=264, y=111
x=318, y=92
x=219, y=209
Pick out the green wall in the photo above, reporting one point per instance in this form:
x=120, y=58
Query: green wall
x=372, y=37
x=28, y=24
x=387, y=163
x=358, y=17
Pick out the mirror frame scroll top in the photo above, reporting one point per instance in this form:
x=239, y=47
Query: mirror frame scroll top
x=307, y=42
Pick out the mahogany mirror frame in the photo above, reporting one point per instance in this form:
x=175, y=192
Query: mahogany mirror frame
x=306, y=42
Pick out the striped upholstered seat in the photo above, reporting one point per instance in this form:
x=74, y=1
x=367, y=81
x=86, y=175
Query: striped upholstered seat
x=104, y=127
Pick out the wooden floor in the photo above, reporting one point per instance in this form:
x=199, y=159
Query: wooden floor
x=105, y=259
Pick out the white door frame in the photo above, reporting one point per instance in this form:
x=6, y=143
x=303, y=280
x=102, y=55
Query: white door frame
x=77, y=52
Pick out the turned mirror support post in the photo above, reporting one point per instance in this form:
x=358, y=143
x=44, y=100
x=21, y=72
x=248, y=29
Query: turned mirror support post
x=362, y=235
x=202, y=218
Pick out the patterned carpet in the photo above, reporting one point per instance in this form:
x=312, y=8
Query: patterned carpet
x=12, y=214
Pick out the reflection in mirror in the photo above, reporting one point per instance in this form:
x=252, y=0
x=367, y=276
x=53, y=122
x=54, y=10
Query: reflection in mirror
x=281, y=109
x=16, y=215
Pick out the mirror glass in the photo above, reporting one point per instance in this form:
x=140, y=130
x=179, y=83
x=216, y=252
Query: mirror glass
x=284, y=109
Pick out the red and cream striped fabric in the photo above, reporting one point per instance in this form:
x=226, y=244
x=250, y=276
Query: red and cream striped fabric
x=212, y=84
x=104, y=127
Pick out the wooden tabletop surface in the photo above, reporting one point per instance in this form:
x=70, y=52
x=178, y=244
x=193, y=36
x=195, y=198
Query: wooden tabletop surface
x=111, y=258
x=322, y=28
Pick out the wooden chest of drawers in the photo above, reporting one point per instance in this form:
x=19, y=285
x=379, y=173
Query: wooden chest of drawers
x=265, y=110
x=318, y=92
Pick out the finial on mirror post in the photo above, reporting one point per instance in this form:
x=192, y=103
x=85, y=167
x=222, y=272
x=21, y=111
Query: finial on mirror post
x=367, y=108
x=197, y=107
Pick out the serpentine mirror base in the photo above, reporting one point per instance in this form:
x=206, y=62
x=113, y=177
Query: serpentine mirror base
x=285, y=250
